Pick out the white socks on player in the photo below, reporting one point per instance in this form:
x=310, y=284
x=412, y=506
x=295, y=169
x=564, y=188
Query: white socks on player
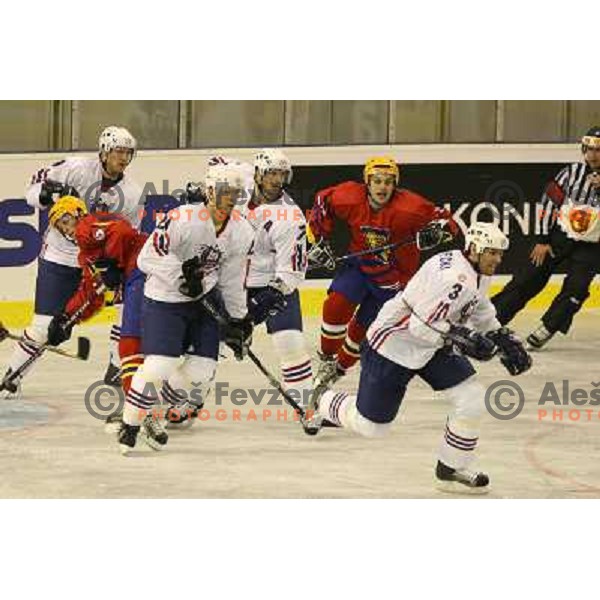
x=37, y=332
x=296, y=366
x=462, y=427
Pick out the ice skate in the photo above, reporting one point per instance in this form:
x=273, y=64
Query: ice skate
x=127, y=438
x=461, y=481
x=113, y=422
x=539, y=338
x=153, y=432
x=182, y=417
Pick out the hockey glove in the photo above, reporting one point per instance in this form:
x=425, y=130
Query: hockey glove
x=433, y=234
x=52, y=190
x=194, y=269
x=512, y=351
x=59, y=329
x=108, y=271
x=266, y=303
x=321, y=256
x=238, y=336
x=194, y=194
x=471, y=343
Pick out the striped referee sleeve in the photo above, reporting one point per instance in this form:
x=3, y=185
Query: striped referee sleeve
x=552, y=199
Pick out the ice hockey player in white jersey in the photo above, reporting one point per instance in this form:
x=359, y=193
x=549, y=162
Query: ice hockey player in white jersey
x=101, y=182
x=195, y=258
x=276, y=268
x=442, y=317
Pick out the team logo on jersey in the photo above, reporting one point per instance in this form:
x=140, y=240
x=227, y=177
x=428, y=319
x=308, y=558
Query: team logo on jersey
x=581, y=219
x=376, y=237
x=99, y=235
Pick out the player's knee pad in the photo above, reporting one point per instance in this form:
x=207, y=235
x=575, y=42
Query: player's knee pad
x=38, y=330
x=289, y=345
x=364, y=426
x=468, y=399
x=156, y=368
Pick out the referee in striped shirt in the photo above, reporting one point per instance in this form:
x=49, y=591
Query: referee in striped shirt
x=577, y=184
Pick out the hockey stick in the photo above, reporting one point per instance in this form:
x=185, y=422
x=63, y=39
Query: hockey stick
x=83, y=346
x=82, y=352
x=409, y=241
x=222, y=321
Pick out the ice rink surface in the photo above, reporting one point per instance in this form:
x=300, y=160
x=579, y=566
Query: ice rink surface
x=50, y=446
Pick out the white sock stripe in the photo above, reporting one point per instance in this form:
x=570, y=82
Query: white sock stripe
x=460, y=445
x=459, y=438
x=30, y=350
x=140, y=397
x=137, y=404
x=334, y=407
x=171, y=396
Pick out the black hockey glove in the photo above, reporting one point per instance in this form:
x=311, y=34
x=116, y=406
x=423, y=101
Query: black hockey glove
x=321, y=256
x=109, y=272
x=238, y=336
x=194, y=194
x=433, y=234
x=52, y=190
x=194, y=269
x=471, y=343
x=512, y=351
x=266, y=303
x=59, y=329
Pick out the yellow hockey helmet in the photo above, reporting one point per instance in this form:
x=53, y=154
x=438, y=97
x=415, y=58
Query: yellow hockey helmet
x=67, y=205
x=381, y=164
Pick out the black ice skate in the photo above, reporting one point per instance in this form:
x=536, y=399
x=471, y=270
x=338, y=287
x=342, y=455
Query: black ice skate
x=182, y=417
x=127, y=438
x=153, y=432
x=539, y=338
x=112, y=376
x=461, y=480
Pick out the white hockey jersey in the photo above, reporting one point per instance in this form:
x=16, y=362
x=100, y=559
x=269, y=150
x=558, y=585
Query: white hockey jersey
x=279, y=249
x=446, y=289
x=175, y=241
x=85, y=175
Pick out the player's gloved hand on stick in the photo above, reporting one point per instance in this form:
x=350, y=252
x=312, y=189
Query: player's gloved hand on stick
x=266, y=303
x=433, y=234
x=109, y=272
x=238, y=336
x=512, y=351
x=59, y=329
x=52, y=190
x=471, y=343
x=321, y=256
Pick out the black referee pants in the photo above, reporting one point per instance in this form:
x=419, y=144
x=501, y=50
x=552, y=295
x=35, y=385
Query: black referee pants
x=582, y=260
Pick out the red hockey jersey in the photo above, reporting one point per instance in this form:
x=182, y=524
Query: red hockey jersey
x=103, y=235
x=400, y=219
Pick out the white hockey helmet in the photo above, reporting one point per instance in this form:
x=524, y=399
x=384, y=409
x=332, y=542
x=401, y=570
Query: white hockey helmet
x=485, y=235
x=230, y=175
x=272, y=159
x=116, y=137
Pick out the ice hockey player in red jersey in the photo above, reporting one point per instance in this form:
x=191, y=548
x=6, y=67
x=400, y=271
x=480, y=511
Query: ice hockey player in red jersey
x=393, y=222
x=108, y=249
